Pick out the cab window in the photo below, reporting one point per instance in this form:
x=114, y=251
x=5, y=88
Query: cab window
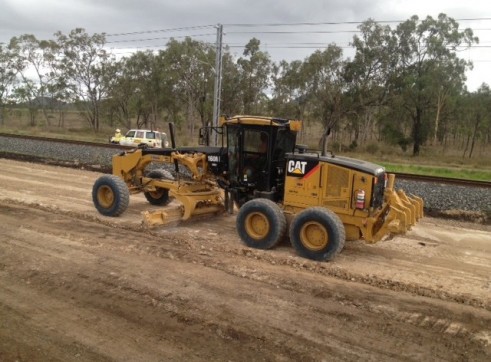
x=285, y=142
x=151, y=135
x=255, y=141
x=130, y=134
x=140, y=134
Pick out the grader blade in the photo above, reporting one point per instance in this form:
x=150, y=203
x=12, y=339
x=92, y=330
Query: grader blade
x=192, y=203
x=163, y=217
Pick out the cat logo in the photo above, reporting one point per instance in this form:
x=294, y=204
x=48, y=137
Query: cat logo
x=297, y=167
x=302, y=169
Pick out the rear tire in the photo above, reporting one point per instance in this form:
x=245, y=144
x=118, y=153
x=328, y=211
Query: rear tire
x=110, y=195
x=317, y=233
x=160, y=196
x=261, y=224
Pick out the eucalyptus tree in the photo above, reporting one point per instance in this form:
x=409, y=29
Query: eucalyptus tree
x=120, y=93
x=425, y=49
x=141, y=88
x=26, y=50
x=368, y=77
x=477, y=118
x=57, y=87
x=231, y=86
x=142, y=75
x=323, y=71
x=255, y=71
x=289, y=87
x=83, y=63
x=448, y=83
x=190, y=69
x=7, y=76
x=26, y=93
x=170, y=99
x=35, y=56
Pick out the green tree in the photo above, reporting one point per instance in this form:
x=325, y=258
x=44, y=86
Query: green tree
x=477, y=117
x=26, y=93
x=83, y=64
x=36, y=55
x=368, y=77
x=7, y=76
x=448, y=83
x=231, y=86
x=143, y=74
x=120, y=93
x=325, y=85
x=255, y=70
x=426, y=48
x=289, y=87
x=190, y=70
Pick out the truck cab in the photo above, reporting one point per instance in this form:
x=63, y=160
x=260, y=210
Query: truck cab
x=254, y=150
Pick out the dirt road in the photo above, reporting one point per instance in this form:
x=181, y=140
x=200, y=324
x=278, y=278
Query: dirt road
x=77, y=286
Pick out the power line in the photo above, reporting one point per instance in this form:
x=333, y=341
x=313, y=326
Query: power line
x=295, y=32
x=291, y=47
x=335, y=23
x=249, y=25
x=279, y=32
x=252, y=25
x=163, y=30
x=254, y=28
x=159, y=38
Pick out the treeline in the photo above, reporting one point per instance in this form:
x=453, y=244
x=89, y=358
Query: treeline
x=404, y=86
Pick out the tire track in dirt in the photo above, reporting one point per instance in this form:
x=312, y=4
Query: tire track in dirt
x=274, y=258
x=395, y=298
x=278, y=312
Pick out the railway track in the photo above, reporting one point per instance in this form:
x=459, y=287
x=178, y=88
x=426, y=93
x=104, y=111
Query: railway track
x=108, y=146
x=443, y=180
x=63, y=141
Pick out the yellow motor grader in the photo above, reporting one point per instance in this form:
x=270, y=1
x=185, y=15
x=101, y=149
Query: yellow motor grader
x=279, y=187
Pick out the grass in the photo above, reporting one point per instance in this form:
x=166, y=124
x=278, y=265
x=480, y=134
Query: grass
x=432, y=162
x=440, y=171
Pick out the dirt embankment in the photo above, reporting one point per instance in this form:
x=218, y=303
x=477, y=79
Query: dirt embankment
x=79, y=286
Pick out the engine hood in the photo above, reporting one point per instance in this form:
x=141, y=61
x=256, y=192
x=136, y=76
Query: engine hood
x=352, y=163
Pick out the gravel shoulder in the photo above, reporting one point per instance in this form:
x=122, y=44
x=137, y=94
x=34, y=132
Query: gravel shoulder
x=80, y=286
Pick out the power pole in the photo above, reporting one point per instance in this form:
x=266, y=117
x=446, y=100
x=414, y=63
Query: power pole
x=218, y=82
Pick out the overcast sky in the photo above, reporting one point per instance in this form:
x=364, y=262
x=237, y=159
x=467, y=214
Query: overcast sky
x=197, y=18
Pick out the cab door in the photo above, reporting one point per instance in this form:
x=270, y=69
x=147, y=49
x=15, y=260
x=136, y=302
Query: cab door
x=233, y=154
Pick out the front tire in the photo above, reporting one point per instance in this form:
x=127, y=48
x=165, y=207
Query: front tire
x=317, y=233
x=160, y=196
x=110, y=195
x=261, y=224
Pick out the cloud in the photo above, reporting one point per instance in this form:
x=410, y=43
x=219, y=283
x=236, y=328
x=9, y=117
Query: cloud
x=44, y=18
